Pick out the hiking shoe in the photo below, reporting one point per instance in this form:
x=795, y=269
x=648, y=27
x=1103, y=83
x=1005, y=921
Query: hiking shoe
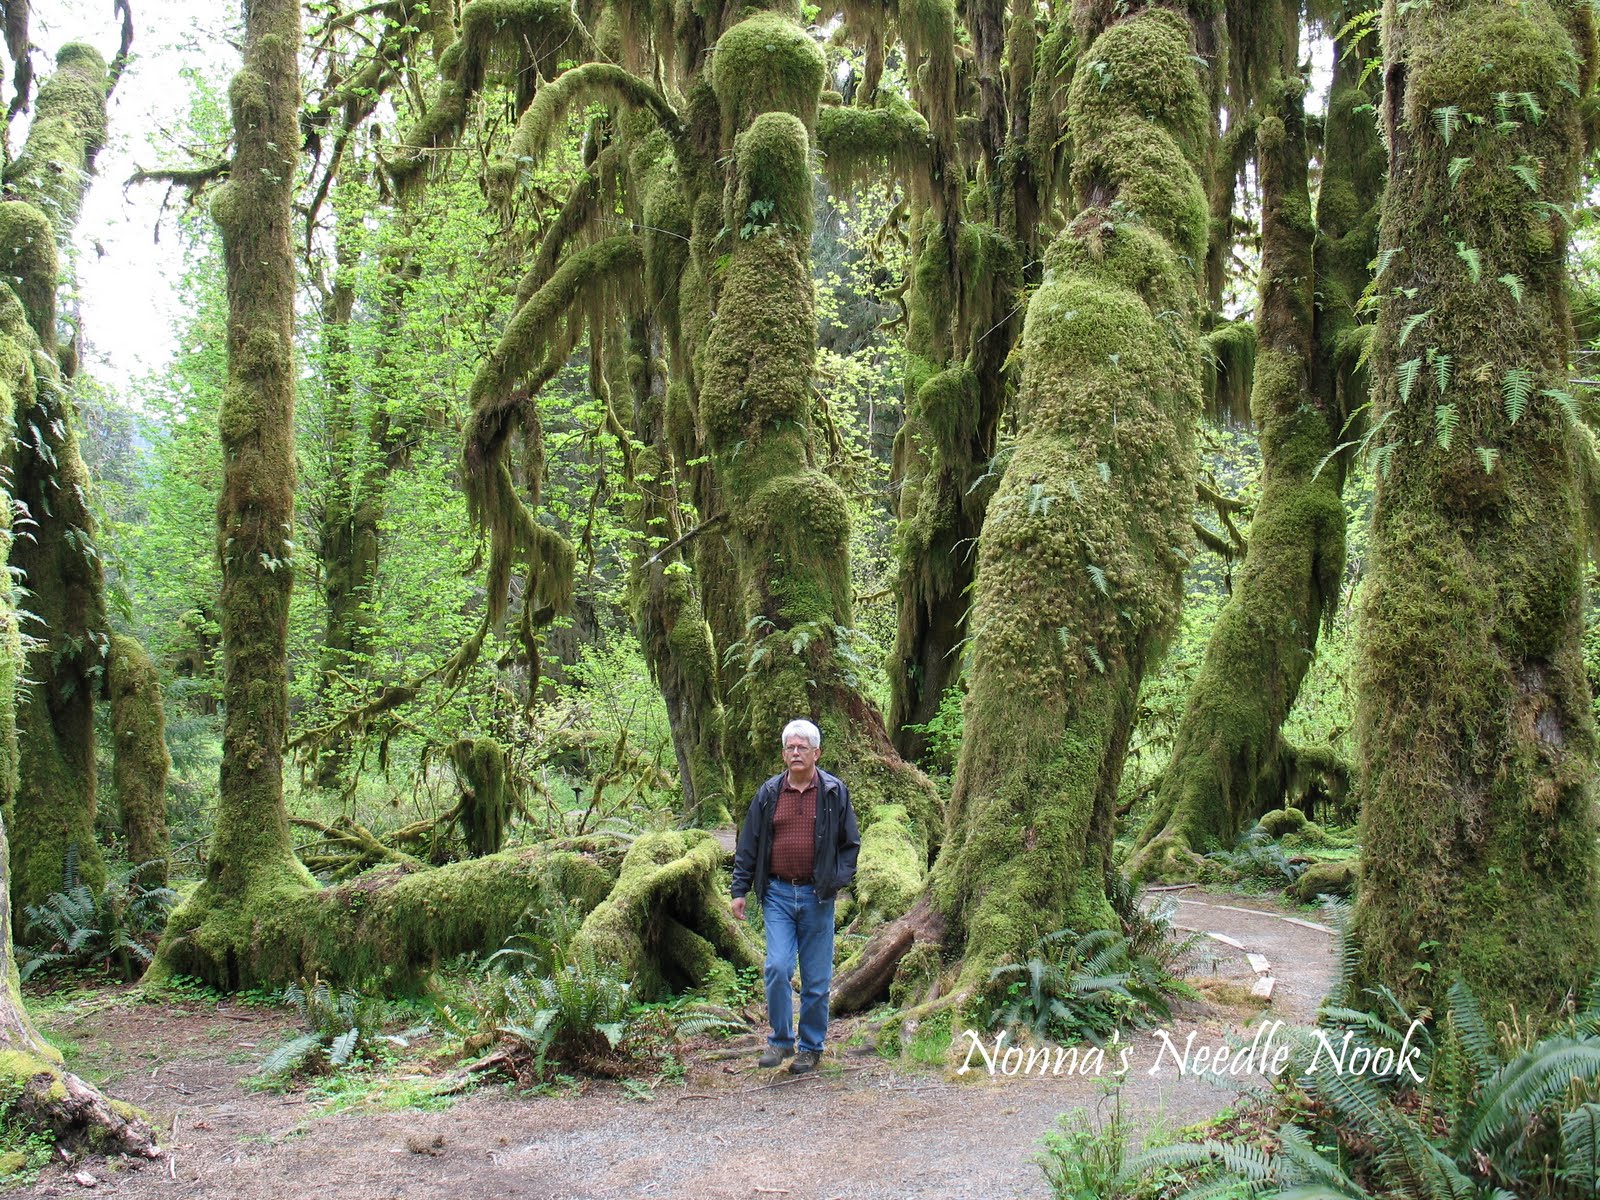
x=772, y=1056
x=805, y=1061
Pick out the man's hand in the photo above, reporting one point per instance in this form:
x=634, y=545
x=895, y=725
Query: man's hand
x=738, y=908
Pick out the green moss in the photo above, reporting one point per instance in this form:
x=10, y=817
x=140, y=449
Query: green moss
x=1329, y=878
x=1230, y=371
x=773, y=162
x=1478, y=820
x=915, y=975
x=139, y=749
x=389, y=925
x=667, y=888
x=488, y=798
x=862, y=144
x=68, y=126
x=893, y=864
x=766, y=63
x=1281, y=821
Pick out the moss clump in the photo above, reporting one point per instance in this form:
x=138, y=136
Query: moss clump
x=68, y=127
x=1282, y=821
x=893, y=865
x=488, y=798
x=916, y=975
x=767, y=63
x=862, y=144
x=1326, y=879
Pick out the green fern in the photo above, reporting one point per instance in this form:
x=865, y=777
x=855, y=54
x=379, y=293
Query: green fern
x=1447, y=118
x=1410, y=326
x=1513, y=285
x=1489, y=458
x=1472, y=258
x=1445, y=420
x=1441, y=369
x=1530, y=104
x=1517, y=389
x=1580, y=1149
x=1516, y=386
x=1457, y=167
x=1566, y=402
x=1098, y=576
x=1406, y=377
x=1526, y=172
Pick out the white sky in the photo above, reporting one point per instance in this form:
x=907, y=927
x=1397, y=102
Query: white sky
x=127, y=293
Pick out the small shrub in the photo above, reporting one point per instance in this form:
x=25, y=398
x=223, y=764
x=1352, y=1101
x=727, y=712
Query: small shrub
x=340, y=1027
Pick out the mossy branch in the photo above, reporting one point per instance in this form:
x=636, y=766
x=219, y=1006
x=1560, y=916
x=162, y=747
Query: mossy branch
x=592, y=83
x=859, y=144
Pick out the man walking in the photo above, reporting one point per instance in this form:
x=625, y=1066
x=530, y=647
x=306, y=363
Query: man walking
x=798, y=847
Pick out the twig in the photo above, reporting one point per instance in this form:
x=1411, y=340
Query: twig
x=695, y=532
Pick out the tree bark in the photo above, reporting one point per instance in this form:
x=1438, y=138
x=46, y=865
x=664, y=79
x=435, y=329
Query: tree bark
x=1475, y=722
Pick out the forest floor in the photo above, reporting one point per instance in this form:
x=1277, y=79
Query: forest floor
x=860, y=1127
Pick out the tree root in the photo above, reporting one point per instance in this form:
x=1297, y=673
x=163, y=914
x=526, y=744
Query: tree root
x=866, y=977
x=74, y=1112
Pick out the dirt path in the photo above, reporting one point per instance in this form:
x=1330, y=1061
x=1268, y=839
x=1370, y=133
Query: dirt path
x=860, y=1129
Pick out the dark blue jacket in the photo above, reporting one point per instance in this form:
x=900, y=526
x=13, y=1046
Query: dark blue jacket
x=837, y=845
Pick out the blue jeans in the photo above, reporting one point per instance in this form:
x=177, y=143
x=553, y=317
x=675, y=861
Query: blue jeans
x=798, y=924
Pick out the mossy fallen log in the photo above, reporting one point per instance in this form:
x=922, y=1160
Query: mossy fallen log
x=666, y=923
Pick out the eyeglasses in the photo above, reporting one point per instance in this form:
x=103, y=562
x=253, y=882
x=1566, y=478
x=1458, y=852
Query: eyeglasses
x=793, y=749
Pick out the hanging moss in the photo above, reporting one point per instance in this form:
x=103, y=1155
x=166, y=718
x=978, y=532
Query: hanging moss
x=1475, y=722
x=1230, y=371
x=487, y=796
x=862, y=144
x=139, y=754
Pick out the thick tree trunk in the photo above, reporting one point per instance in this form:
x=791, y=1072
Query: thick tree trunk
x=252, y=861
x=1475, y=721
x=1226, y=766
x=1081, y=558
x=52, y=814
x=788, y=523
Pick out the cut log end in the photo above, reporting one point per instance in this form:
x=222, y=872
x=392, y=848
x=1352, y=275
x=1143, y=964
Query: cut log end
x=80, y=1115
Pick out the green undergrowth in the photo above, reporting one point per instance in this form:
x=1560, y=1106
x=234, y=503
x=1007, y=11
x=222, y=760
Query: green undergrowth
x=23, y=1152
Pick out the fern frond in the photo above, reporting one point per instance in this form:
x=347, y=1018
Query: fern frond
x=1456, y=167
x=1580, y=1148
x=1445, y=420
x=1513, y=285
x=1406, y=376
x=1447, y=117
x=1466, y=1018
x=1567, y=403
x=1525, y=1084
x=1410, y=326
x=1516, y=386
x=1441, y=370
x=1472, y=258
x=1488, y=456
x=291, y=1056
x=1526, y=172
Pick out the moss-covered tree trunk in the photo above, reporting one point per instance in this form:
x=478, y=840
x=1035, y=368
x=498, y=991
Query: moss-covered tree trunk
x=252, y=866
x=35, y=1092
x=1475, y=722
x=52, y=815
x=1227, y=760
x=139, y=755
x=788, y=523
x=1082, y=554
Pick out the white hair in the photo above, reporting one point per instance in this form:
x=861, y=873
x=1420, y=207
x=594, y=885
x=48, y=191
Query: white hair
x=805, y=728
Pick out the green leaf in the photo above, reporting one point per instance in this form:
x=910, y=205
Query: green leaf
x=1445, y=419
x=1526, y=172
x=1441, y=369
x=1488, y=456
x=1406, y=377
x=1457, y=166
x=1447, y=118
x=1410, y=327
x=1099, y=576
x=1567, y=401
x=1530, y=104
x=1516, y=386
x=1472, y=258
x=1513, y=285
